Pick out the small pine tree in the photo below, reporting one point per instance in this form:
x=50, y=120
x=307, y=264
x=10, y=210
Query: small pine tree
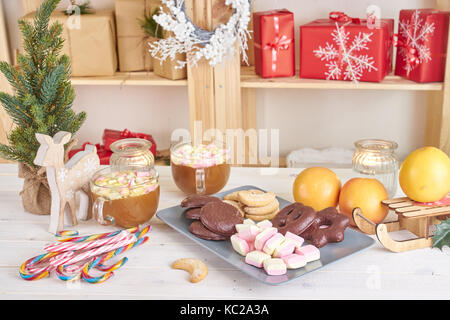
x=43, y=95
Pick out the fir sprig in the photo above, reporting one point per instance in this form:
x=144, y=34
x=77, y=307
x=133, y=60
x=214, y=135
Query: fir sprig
x=43, y=95
x=151, y=27
x=441, y=237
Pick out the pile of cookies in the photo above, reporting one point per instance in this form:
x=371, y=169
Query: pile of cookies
x=213, y=219
x=254, y=204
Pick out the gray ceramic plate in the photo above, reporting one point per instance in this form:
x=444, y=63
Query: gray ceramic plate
x=353, y=242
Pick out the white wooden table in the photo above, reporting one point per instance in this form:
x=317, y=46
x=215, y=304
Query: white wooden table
x=372, y=274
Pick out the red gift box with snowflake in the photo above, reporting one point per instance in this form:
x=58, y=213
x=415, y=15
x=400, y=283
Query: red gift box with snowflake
x=345, y=48
x=422, y=45
x=274, y=43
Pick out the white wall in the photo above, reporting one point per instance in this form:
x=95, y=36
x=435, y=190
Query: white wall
x=306, y=118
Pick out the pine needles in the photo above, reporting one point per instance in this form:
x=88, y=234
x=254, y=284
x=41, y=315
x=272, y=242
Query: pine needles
x=151, y=27
x=43, y=95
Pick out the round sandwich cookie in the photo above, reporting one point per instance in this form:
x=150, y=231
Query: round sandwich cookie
x=221, y=218
x=198, y=229
x=193, y=213
x=198, y=201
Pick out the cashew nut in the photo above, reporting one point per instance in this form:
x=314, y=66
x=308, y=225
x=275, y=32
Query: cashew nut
x=197, y=269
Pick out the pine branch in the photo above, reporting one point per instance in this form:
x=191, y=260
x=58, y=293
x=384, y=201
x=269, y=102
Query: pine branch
x=151, y=27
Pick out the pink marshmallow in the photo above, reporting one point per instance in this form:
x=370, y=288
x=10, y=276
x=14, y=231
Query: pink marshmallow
x=263, y=236
x=251, y=245
x=310, y=252
x=264, y=224
x=294, y=261
x=239, y=245
x=298, y=241
x=285, y=248
x=248, y=232
x=275, y=267
x=256, y=258
x=273, y=242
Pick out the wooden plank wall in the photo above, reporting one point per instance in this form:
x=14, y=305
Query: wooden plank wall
x=437, y=131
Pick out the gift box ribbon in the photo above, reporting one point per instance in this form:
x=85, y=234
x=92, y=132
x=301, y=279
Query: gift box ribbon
x=412, y=55
x=278, y=44
x=339, y=16
x=125, y=134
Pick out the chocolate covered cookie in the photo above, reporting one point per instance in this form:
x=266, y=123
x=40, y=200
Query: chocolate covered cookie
x=198, y=201
x=193, y=213
x=328, y=226
x=220, y=217
x=198, y=229
x=294, y=218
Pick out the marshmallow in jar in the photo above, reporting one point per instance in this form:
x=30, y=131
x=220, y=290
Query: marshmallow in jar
x=125, y=197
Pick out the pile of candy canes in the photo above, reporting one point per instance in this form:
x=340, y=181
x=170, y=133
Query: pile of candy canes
x=72, y=258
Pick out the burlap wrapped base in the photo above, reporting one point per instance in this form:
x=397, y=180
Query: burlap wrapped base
x=36, y=196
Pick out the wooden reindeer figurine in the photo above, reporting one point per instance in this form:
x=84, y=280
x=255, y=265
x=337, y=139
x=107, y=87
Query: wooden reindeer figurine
x=65, y=180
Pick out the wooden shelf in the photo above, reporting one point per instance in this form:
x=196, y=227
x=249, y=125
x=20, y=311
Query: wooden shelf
x=250, y=80
x=128, y=78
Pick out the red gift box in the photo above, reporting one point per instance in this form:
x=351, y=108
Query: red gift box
x=422, y=45
x=110, y=136
x=274, y=43
x=344, y=48
x=103, y=154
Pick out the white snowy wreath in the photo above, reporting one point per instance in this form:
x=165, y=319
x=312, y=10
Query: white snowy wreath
x=198, y=43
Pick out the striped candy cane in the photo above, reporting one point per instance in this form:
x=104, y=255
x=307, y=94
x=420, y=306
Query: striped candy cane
x=69, y=246
x=93, y=252
x=97, y=236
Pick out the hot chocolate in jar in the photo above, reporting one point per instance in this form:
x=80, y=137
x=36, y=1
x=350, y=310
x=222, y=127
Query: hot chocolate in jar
x=125, y=197
x=201, y=168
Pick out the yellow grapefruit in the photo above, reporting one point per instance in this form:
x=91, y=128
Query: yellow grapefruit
x=425, y=175
x=317, y=187
x=364, y=193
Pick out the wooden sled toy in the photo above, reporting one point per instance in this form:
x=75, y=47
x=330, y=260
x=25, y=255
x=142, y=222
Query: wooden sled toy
x=412, y=217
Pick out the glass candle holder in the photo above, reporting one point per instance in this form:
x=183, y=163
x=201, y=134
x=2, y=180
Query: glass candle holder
x=375, y=158
x=132, y=152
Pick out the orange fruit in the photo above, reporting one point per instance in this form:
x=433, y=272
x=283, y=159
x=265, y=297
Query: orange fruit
x=317, y=187
x=364, y=193
x=425, y=175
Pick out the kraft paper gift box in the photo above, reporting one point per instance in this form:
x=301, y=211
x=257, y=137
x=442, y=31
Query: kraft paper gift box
x=168, y=68
x=90, y=42
x=133, y=43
